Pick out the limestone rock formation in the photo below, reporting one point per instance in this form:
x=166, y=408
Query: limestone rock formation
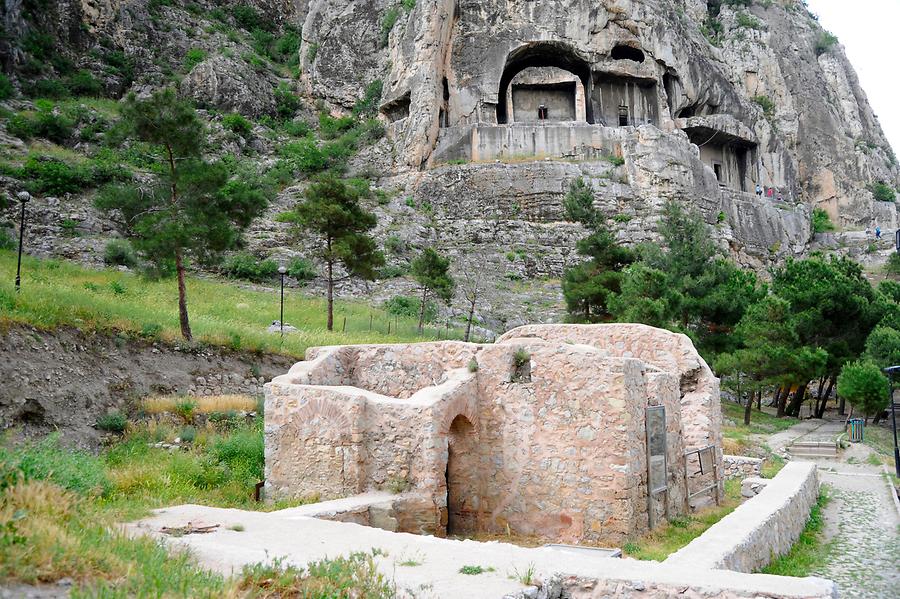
x=493, y=107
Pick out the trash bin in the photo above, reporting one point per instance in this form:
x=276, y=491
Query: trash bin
x=855, y=426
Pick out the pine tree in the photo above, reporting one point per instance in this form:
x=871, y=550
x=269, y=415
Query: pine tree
x=331, y=211
x=589, y=286
x=432, y=272
x=195, y=208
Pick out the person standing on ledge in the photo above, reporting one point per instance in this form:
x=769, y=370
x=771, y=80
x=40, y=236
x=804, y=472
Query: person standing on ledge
x=759, y=190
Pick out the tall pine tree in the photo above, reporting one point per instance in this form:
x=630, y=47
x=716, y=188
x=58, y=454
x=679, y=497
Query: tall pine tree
x=195, y=208
x=330, y=211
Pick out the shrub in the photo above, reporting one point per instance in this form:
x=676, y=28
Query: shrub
x=185, y=409
x=332, y=128
x=49, y=175
x=406, y=306
x=113, y=422
x=766, y=103
x=864, y=386
x=286, y=102
x=286, y=48
x=893, y=264
x=48, y=88
x=187, y=434
x=7, y=241
x=388, y=21
x=296, y=128
x=748, y=21
x=118, y=252
x=883, y=192
x=248, y=267
x=392, y=271
x=825, y=42
x=242, y=451
x=83, y=83
x=821, y=222
x=7, y=90
x=473, y=365
x=302, y=270
x=19, y=125
x=236, y=123
x=45, y=123
x=247, y=17
x=368, y=104
x=305, y=155
x=521, y=357
x=193, y=57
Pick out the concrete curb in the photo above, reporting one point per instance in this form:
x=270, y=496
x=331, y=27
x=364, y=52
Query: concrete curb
x=890, y=486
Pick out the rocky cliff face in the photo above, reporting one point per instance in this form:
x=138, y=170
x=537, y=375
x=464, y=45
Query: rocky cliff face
x=696, y=101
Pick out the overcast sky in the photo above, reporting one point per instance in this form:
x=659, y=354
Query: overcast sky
x=868, y=30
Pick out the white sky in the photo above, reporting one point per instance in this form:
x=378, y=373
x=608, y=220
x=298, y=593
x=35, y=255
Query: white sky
x=868, y=30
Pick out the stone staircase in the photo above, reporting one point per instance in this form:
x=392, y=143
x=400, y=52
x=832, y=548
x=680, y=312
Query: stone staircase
x=803, y=448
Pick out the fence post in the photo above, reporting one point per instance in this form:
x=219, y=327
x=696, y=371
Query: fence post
x=344, y=328
x=389, y=326
x=370, y=322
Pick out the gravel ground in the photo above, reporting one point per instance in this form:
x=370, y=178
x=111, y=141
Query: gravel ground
x=861, y=520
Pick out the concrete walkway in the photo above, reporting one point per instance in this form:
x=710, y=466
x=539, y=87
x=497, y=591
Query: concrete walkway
x=861, y=520
x=424, y=566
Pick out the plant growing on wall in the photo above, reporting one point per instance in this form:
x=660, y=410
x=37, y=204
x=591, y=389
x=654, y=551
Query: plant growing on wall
x=432, y=272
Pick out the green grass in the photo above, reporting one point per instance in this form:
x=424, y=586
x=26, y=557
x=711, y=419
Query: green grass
x=669, y=538
x=474, y=570
x=880, y=439
x=810, y=551
x=59, y=293
x=760, y=422
x=59, y=509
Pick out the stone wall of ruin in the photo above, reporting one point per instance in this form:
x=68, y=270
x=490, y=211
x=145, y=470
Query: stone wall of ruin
x=555, y=446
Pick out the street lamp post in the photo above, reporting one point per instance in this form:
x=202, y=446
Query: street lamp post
x=23, y=196
x=281, y=271
x=891, y=372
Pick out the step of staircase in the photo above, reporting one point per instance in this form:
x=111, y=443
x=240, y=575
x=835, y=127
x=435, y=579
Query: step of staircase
x=813, y=449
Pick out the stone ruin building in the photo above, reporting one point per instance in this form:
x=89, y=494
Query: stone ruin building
x=547, y=432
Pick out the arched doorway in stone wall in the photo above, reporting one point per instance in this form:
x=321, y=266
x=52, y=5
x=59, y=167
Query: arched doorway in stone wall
x=545, y=54
x=462, y=477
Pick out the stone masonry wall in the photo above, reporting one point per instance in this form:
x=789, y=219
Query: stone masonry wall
x=763, y=527
x=555, y=446
x=564, y=451
x=738, y=466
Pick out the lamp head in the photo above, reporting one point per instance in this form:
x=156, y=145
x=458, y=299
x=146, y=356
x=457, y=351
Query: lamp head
x=23, y=196
x=281, y=270
x=891, y=371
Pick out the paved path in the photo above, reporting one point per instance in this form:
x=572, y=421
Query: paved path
x=861, y=520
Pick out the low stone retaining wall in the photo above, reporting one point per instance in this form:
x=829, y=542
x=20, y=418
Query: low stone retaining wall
x=738, y=466
x=764, y=526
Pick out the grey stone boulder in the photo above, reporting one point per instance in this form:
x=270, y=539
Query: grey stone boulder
x=230, y=84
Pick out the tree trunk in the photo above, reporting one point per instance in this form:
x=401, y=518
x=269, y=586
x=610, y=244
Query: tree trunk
x=820, y=411
x=749, y=408
x=422, y=309
x=182, y=297
x=759, y=401
x=794, y=408
x=782, y=400
x=330, y=294
x=842, y=406
x=471, y=317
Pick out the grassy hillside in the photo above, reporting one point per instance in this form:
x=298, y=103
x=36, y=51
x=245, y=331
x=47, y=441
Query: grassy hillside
x=56, y=293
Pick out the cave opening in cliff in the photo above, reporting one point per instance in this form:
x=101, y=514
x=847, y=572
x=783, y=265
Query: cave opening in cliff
x=398, y=108
x=623, y=52
x=557, y=95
